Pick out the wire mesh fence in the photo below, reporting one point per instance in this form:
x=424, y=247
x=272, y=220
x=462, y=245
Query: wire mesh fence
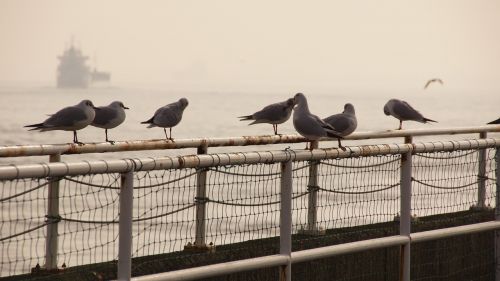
x=242, y=203
x=22, y=228
x=447, y=182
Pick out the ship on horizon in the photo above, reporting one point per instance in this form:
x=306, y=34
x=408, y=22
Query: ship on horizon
x=73, y=72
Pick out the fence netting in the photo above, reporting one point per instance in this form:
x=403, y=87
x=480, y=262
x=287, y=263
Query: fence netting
x=447, y=182
x=23, y=224
x=242, y=209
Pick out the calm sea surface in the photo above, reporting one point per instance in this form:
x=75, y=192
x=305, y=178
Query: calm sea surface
x=214, y=114
x=209, y=114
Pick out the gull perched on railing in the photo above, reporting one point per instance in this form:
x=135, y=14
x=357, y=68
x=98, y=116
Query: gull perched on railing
x=71, y=118
x=404, y=112
x=276, y=113
x=309, y=125
x=109, y=117
x=168, y=116
x=344, y=123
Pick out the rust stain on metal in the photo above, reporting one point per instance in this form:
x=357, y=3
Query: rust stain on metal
x=72, y=149
x=10, y=152
x=365, y=149
x=231, y=142
x=413, y=148
x=204, y=142
x=125, y=145
x=252, y=140
x=181, y=161
x=386, y=146
x=187, y=159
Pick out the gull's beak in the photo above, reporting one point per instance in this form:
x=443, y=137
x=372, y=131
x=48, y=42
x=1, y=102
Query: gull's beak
x=96, y=108
x=124, y=107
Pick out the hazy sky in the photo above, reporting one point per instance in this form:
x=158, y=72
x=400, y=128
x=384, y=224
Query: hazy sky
x=259, y=45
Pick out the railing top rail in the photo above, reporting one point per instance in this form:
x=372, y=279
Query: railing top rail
x=238, y=158
x=137, y=145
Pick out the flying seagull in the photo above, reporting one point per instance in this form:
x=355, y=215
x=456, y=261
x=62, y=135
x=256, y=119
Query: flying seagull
x=276, y=113
x=404, y=112
x=309, y=125
x=71, y=118
x=109, y=117
x=433, y=80
x=168, y=116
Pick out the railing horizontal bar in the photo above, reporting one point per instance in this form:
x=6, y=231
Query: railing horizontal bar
x=347, y=248
x=137, y=145
x=453, y=231
x=423, y=132
x=217, y=269
x=317, y=253
x=210, y=160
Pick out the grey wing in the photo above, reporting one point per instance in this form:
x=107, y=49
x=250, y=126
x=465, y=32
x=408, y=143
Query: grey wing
x=406, y=112
x=341, y=123
x=270, y=113
x=104, y=115
x=323, y=123
x=167, y=117
x=65, y=117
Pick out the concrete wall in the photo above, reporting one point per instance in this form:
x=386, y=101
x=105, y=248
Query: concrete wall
x=468, y=257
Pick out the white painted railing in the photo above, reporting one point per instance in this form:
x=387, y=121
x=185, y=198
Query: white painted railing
x=139, y=145
x=127, y=167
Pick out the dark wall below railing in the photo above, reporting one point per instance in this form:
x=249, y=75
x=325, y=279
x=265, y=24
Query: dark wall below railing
x=466, y=257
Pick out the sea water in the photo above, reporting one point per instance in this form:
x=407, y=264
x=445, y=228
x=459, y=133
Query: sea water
x=210, y=113
x=214, y=113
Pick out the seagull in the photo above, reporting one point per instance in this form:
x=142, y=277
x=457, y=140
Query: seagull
x=71, y=118
x=404, y=112
x=168, y=116
x=109, y=117
x=432, y=81
x=344, y=123
x=309, y=125
x=276, y=113
x=495, y=121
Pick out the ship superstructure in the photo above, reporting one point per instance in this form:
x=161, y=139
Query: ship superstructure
x=73, y=71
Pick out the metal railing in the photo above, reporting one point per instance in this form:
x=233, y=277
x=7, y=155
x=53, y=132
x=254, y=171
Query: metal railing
x=127, y=168
x=139, y=145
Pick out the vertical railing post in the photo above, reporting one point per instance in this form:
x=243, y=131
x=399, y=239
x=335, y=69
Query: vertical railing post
x=497, y=214
x=286, y=219
x=405, y=210
x=53, y=218
x=125, y=226
x=313, y=188
x=481, y=176
x=201, y=200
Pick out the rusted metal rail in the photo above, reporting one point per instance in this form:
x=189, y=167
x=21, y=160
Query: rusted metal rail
x=206, y=160
x=137, y=145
